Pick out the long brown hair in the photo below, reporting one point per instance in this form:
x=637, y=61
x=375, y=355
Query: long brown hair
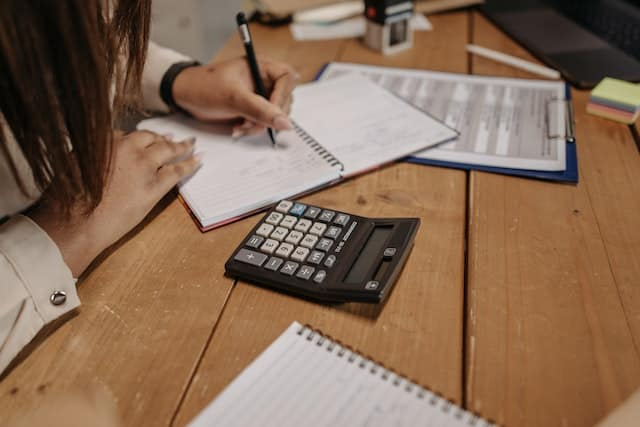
x=59, y=64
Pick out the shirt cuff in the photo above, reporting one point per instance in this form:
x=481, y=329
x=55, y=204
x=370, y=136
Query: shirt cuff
x=40, y=266
x=159, y=59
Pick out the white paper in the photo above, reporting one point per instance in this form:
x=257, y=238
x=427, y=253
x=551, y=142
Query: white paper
x=362, y=124
x=238, y=177
x=348, y=28
x=306, y=379
x=502, y=122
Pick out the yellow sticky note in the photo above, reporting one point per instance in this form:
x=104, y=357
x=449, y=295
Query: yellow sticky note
x=618, y=91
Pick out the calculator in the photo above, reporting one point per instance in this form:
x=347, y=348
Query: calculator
x=324, y=254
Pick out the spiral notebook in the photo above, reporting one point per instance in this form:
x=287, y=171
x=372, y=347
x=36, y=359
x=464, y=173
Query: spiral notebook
x=343, y=127
x=305, y=378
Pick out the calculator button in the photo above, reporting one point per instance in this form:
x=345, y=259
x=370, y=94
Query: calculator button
x=250, y=257
x=389, y=252
x=333, y=232
x=274, y=218
x=372, y=285
x=342, y=219
x=298, y=209
x=294, y=237
x=289, y=268
x=312, y=212
x=305, y=272
x=289, y=221
x=300, y=254
x=318, y=229
x=255, y=241
x=315, y=257
x=303, y=225
x=324, y=245
x=273, y=264
x=269, y=246
x=285, y=250
x=330, y=261
x=309, y=241
x=265, y=230
x=327, y=216
x=284, y=206
x=320, y=276
x=279, y=234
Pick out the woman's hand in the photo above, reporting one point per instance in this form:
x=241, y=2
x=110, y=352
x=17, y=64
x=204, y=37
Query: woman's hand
x=145, y=166
x=225, y=92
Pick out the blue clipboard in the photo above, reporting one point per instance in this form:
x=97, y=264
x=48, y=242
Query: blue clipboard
x=569, y=175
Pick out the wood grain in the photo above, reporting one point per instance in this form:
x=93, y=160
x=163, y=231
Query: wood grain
x=418, y=331
x=148, y=310
x=553, y=273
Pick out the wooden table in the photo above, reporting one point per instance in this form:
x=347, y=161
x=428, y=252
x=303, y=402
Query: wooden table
x=520, y=301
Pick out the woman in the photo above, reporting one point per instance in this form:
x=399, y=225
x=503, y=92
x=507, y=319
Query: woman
x=70, y=185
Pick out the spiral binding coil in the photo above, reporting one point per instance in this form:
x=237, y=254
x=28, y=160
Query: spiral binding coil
x=410, y=387
x=317, y=147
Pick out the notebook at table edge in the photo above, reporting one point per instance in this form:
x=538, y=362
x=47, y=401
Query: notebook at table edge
x=570, y=174
x=277, y=344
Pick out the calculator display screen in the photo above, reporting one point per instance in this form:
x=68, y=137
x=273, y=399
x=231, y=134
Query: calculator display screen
x=368, y=255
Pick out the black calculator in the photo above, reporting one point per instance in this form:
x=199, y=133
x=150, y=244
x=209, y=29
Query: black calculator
x=324, y=254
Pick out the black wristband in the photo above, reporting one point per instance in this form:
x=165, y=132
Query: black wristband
x=166, y=85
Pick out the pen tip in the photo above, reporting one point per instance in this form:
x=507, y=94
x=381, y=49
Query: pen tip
x=241, y=19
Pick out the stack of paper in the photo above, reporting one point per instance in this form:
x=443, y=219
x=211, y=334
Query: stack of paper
x=616, y=100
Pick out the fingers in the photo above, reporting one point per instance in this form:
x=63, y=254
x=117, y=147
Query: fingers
x=283, y=79
x=283, y=85
x=261, y=111
x=171, y=174
x=161, y=151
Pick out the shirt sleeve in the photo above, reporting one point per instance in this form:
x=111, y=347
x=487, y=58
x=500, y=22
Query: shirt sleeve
x=159, y=59
x=37, y=285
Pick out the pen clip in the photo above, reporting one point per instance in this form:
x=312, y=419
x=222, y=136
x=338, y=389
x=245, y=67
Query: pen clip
x=555, y=129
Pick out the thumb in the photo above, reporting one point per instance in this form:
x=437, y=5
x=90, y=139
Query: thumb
x=259, y=110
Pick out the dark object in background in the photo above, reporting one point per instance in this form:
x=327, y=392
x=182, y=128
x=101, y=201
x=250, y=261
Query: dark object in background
x=586, y=40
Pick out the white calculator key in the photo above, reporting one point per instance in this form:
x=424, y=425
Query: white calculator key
x=309, y=241
x=265, y=230
x=274, y=218
x=285, y=250
x=303, y=225
x=289, y=221
x=318, y=229
x=294, y=237
x=300, y=254
x=284, y=206
x=279, y=233
x=269, y=246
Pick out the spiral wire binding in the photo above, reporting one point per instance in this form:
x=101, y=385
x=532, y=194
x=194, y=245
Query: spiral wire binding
x=317, y=147
x=410, y=387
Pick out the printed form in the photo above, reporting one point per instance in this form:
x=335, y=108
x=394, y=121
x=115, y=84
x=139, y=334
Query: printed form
x=509, y=123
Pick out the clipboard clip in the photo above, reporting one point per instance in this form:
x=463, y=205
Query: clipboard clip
x=557, y=129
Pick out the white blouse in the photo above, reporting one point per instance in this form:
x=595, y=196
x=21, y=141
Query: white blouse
x=36, y=285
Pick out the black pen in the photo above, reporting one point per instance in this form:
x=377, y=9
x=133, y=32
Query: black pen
x=245, y=36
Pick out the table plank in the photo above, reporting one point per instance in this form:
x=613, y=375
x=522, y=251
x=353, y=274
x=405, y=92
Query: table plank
x=148, y=310
x=419, y=329
x=552, y=310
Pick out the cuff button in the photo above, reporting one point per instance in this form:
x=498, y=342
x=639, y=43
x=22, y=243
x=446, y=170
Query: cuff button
x=58, y=298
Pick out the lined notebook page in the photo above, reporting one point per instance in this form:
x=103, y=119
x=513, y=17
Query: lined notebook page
x=240, y=176
x=362, y=124
x=305, y=379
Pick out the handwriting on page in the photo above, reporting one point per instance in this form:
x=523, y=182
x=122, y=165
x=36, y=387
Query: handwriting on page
x=238, y=176
x=363, y=124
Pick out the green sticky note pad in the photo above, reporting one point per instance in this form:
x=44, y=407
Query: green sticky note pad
x=618, y=91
